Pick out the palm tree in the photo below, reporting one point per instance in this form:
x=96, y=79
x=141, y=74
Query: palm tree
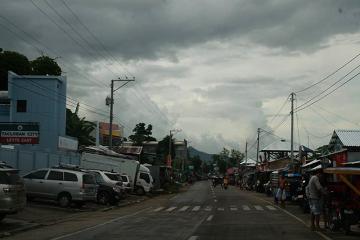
x=79, y=128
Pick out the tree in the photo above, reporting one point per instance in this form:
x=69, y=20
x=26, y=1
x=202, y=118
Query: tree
x=12, y=61
x=142, y=134
x=196, y=162
x=45, y=65
x=79, y=128
x=235, y=157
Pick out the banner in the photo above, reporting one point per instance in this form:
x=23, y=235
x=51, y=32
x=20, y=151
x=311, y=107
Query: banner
x=19, y=133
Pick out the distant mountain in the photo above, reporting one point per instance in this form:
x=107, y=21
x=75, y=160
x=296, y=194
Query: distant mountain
x=203, y=155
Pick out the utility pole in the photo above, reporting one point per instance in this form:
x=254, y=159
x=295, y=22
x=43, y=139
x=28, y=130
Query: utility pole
x=258, y=143
x=292, y=128
x=246, y=153
x=170, y=140
x=126, y=80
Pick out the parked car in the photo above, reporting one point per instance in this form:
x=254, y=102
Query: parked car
x=110, y=189
x=66, y=185
x=12, y=194
x=126, y=182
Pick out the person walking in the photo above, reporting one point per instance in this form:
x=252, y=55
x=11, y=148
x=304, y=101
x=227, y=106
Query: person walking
x=314, y=191
x=281, y=193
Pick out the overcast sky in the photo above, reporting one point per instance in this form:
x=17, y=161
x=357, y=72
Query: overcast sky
x=218, y=70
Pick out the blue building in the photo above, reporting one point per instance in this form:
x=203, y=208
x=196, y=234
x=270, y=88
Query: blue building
x=39, y=99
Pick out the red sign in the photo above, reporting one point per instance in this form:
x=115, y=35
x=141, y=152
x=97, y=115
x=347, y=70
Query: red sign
x=19, y=133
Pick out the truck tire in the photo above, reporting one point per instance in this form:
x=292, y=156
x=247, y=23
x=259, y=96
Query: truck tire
x=64, y=200
x=140, y=191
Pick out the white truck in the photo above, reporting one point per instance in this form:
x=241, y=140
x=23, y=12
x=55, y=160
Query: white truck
x=140, y=178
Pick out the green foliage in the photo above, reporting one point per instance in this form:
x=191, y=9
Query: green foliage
x=142, y=134
x=45, y=66
x=79, y=128
x=12, y=61
x=227, y=158
x=196, y=162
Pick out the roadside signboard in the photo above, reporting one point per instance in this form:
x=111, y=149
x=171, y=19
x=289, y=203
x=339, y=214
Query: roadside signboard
x=19, y=133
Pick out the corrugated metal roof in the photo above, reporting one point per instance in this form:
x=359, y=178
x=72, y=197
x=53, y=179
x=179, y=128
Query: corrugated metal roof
x=284, y=146
x=349, y=138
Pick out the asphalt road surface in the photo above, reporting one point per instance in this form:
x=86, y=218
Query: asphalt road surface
x=202, y=213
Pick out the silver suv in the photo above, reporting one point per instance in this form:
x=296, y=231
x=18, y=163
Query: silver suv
x=61, y=184
x=12, y=192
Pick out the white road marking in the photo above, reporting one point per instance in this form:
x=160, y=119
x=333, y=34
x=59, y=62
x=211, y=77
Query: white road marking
x=193, y=238
x=184, y=208
x=246, y=207
x=233, y=209
x=215, y=200
x=196, y=208
x=158, y=209
x=100, y=225
x=170, y=209
x=271, y=208
x=210, y=218
x=259, y=208
x=221, y=209
x=208, y=208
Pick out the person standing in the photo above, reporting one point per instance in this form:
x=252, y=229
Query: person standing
x=314, y=191
x=281, y=195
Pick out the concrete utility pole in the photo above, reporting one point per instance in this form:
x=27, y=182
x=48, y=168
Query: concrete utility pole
x=258, y=143
x=246, y=153
x=292, y=128
x=126, y=80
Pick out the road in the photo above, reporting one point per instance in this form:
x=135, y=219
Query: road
x=202, y=212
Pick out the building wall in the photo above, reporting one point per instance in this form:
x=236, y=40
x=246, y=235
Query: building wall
x=353, y=156
x=46, y=104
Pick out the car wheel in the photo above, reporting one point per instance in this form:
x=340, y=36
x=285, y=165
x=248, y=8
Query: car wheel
x=64, y=200
x=2, y=216
x=140, y=191
x=103, y=198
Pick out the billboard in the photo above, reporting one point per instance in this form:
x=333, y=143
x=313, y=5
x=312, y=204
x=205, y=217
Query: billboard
x=19, y=133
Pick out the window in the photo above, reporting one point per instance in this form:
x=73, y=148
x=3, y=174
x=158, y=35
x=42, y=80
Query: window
x=98, y=177
x=88, y=179
x=145, y=177
x=21, y=106
x=37, y=175
x=124, y=178
x=71, y=177
x=112, y=176
x=55, y=175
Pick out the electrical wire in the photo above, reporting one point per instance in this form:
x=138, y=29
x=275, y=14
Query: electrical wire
x=298, y=110
x=331, y=74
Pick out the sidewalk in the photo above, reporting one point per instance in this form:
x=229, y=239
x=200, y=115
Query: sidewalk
x=296, y=212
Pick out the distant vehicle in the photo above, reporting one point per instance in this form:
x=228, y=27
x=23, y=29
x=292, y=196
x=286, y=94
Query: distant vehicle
x=140, y=178
x=110, y=189
x=62, y=184
x=12, y=194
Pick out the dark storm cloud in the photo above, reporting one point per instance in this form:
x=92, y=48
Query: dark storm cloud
x=153, y=29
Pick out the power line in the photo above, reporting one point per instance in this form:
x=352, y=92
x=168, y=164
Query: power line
x=298, y=110
x=278, y=112
x=331, y=74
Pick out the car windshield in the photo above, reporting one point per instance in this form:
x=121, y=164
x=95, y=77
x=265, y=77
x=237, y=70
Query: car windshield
x=113, y=176
x=9, y=177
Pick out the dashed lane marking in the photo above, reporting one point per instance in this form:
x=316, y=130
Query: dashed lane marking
x=158, y=209
x=233, y=208
x=184, y=208
x=271, y=208
x=196, y=208
x=210, y=218
x=170, y=209
x=246, y=207
x=259, y=208
x=221, y=209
